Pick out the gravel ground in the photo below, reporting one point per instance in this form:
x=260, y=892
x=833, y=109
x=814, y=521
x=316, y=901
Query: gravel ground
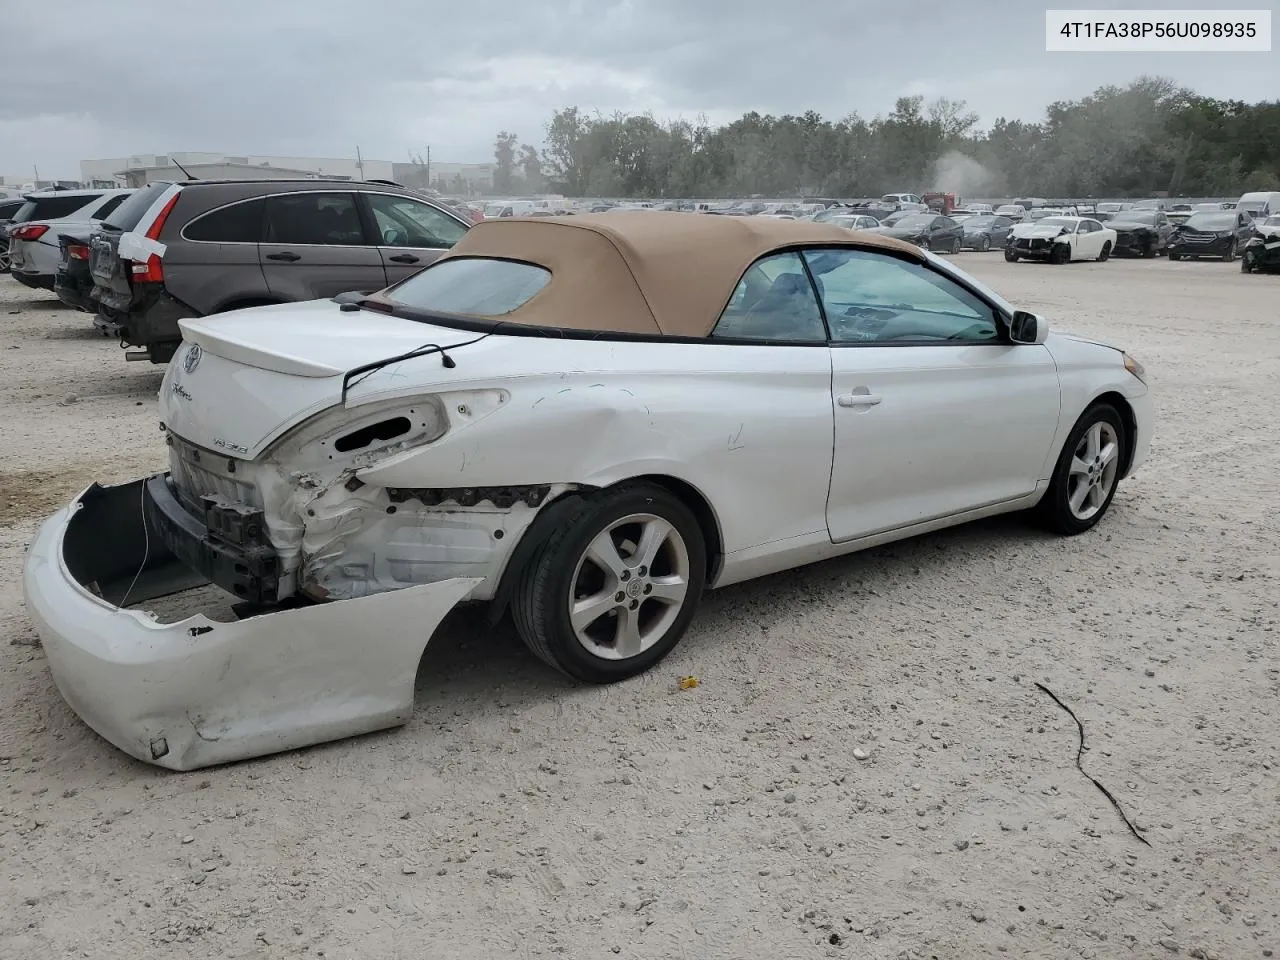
x=520, y=815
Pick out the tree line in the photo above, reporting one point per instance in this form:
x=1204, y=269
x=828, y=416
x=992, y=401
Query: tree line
x=1149, y=137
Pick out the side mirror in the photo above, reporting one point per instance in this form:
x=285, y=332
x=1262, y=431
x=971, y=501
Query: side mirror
x=1028, y=328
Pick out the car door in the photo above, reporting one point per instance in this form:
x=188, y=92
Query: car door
x=410, y=233
x=1097, y=237
x=1000, y=228
x=313, y=246
x=952, y=232
x=772, y=375
x=936, y=412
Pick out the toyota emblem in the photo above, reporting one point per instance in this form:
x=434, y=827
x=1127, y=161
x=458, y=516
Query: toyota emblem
x=192, y=359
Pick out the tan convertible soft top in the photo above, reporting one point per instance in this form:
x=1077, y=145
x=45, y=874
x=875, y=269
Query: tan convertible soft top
x=647, y=272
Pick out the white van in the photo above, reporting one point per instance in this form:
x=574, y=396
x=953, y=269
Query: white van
x=507, y=208
x=1260, y=205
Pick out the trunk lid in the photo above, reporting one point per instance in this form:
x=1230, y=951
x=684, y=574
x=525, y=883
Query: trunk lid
x=243, y=378
x=314, y=338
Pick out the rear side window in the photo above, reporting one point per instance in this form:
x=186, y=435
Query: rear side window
x=54, y=208
x=473, y=285
x=129, y=214
x=109, y=207
x=313, y=218
x=237, y=223
x=10, y=208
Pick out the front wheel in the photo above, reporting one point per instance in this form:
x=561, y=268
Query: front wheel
x=1105, y=255
x=1087, y=473
x=1060, y=253
x=1175, y=257
x=1230, y=254
x=1245, y=265
x=1010, y=255
x=985, y=245
x=955, y=245
x=924, y=243
x=612, y=591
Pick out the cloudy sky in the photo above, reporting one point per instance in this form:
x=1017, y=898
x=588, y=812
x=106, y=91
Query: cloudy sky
x=317, y=77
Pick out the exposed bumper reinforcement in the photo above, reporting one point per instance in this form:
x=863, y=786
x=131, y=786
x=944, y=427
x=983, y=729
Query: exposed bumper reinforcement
x=200, y=692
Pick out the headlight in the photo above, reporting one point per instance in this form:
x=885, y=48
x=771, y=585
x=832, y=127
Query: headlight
x=1226, y=234
x=1135, y=368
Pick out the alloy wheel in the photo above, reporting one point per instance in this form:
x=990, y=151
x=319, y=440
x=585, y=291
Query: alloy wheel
x=629, y=586
x=1095, y=464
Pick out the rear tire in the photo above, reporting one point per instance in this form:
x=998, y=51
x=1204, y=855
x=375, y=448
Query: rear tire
x=1087, y=473
x=985, y=245
x=955, y=245
x=632, y=564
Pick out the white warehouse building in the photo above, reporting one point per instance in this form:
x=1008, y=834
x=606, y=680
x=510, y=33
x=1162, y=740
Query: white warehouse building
x=144, y=168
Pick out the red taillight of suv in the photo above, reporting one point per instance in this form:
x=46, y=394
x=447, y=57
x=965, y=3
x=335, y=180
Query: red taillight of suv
x=77, y=251
x=152, y=270
x=31, y=232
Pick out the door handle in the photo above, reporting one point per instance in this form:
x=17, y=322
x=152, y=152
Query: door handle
x=286, y=257
x=404, y=258
x=858, y=400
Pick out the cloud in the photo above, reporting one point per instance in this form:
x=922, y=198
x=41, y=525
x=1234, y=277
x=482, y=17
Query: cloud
x=318, y=77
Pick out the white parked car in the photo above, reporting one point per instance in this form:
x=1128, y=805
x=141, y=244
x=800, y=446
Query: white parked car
x=501, y=209
x=586, y=420
x=1060, y=239
x=854, y=221
x=1014, y=211
x=34, y=253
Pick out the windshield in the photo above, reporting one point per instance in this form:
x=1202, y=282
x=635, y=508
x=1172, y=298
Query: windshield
x=1211, y=221
x=915, y=220
x=495, y=209
x=128, y=214
x=1041, y=214
x=1250, y=206
x=472, y=285
x=1271, y=222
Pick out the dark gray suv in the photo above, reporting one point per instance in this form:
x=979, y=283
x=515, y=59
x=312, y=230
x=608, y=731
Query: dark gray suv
x=178, y=250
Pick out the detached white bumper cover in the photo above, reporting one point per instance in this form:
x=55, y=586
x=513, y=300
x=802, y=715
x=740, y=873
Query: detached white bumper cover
x=199, y=692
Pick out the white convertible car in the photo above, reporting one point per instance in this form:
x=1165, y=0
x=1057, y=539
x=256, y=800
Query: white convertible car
x=1060, y=239
x=587, y=421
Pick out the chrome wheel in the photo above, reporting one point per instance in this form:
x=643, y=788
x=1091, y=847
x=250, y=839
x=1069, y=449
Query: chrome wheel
x=1092, y=473
x=629, y=587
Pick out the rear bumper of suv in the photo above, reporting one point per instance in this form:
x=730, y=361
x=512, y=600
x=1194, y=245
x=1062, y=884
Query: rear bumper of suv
x=148, y=319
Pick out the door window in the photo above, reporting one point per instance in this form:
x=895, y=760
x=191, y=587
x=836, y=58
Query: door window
x=109, y=207
x=774, y=300
x=313, y=218
x=237, y=223
x=405, y=222
x=874, y=298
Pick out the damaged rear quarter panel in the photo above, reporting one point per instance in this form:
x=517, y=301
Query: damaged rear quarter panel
x=748, y=426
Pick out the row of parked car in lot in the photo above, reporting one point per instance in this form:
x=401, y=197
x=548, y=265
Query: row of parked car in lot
x=140, y=260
